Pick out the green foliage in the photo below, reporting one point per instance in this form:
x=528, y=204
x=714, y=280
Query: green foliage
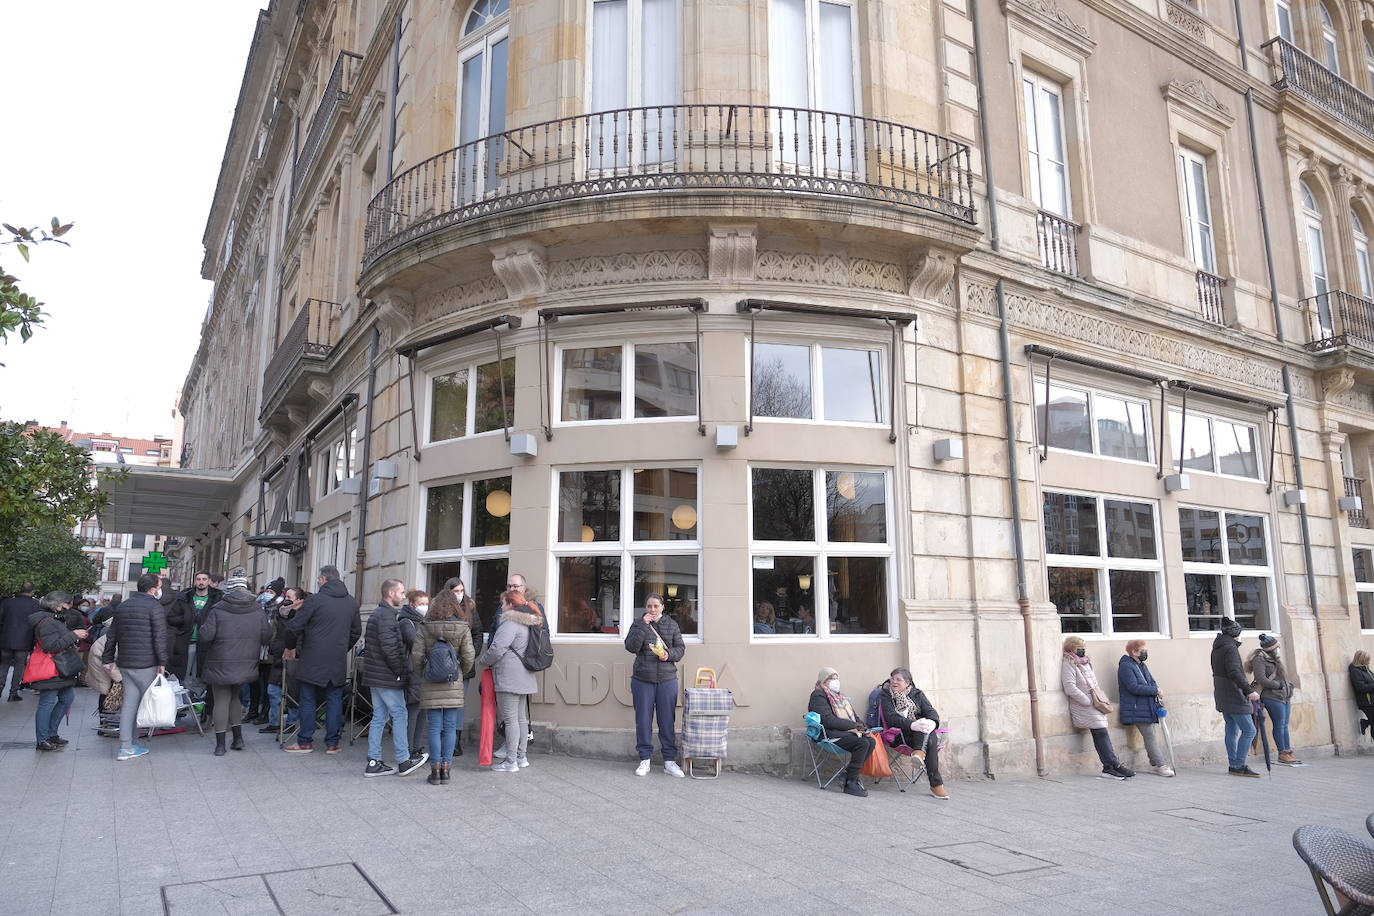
x=51, y=558
x=19, y=312
x=44, y=480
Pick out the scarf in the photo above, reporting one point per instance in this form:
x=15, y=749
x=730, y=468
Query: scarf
x=905, y=705
x=840, y=705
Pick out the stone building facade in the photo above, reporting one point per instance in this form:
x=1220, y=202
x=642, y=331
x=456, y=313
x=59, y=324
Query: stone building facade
x=710, y=299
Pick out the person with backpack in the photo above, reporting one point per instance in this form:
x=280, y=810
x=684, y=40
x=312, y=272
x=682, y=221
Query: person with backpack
x=656, y=643
x=505, y=655
x=442, y=658
x=903, y=705
x=517, y=583
x=1270, y=678
x=386, y=671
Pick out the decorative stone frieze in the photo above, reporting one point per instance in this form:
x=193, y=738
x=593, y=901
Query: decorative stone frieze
x=830, y=270
x=1198, y=99
x=627, y=267
x=1046, y=14
x=732, y=250
x=1184, y=19
x=521, y=266
x=469, y=295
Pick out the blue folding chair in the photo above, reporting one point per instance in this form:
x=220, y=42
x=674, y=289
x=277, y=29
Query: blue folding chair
x=823, y=750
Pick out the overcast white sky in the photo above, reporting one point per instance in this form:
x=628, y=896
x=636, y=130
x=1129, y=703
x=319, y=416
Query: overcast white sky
x=115, y=117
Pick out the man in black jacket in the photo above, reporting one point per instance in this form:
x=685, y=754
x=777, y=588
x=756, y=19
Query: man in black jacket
x=137, y=640
x=320, y=636
x=386, y=667
x=1232, y=694
x=184, y=619
x=16, y=637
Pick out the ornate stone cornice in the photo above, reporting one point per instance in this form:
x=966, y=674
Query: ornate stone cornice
x=1047, y=16
x=732, y=251
x=1197, y=98
x=521, y=267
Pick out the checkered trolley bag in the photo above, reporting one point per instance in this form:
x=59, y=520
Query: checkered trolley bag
x=705, y=721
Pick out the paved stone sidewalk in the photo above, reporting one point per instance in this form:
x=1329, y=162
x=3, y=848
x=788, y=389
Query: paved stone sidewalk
x=260, y=831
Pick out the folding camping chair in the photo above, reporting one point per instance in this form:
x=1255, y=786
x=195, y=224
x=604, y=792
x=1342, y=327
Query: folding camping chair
x=823, y=750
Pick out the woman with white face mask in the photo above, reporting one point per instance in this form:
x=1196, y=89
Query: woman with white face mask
x=842, y=723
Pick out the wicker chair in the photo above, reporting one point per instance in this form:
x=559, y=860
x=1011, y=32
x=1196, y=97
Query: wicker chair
x=1369, y=824
x=1341, y=860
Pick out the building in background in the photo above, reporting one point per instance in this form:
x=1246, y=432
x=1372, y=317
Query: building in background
x=711, y=299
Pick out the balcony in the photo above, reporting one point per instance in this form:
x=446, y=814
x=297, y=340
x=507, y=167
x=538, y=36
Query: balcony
x=1303, y=75
x=301, y=357
x=336, y=93
x=1057, y=239
x=745, y=149
x=1354, y=486
x=1211, y=297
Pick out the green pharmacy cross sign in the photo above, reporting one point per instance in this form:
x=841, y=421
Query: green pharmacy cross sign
x=155, y=562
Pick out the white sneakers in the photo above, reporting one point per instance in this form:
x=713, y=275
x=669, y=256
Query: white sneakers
x=522, y=762
x=1164, y=771
x=672, y=769
x=505, y=766
x=642, y=769
x=499, y=753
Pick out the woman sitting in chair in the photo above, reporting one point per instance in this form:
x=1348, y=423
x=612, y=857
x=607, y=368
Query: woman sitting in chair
x=906, y=707
x=842, y=725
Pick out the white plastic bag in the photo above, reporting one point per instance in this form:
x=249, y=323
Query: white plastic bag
x=158, y=708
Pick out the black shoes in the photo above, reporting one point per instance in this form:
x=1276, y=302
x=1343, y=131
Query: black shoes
x=377, y=768
x=406, y=767
x=856, y=788
x=434, y=777
x=48, y=745
x=59, y=741
x=1242, y=771
x=219, y=744
x=15, y=698
x=445, y=769
x=1364, y=723
x=266, y=729
x=237, y=743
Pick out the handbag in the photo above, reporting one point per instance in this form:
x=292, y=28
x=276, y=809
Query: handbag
x=877, y=766
x=158, y=708
x=68, y=662
x=114, y=699
x=41, y=666
x=1100, y=701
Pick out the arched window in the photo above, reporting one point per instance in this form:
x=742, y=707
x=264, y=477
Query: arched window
x=482, y=57
x=1315, y=235
x=1362, y=255
x=1331, y=53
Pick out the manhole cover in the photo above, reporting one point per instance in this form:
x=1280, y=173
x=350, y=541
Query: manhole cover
x=1210, y=818
x=987, y=859
x=326, y=890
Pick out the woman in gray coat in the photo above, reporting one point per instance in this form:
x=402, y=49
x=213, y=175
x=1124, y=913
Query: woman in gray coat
x=504, y=656
x=231, y=643
x=1266, y=666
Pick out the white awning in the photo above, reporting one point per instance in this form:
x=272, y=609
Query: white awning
x=178, y=502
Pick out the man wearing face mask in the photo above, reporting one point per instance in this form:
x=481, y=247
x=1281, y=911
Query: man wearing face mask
x=1232, y=694
x=842, y=723
x=138, y=639
x=1141, y=702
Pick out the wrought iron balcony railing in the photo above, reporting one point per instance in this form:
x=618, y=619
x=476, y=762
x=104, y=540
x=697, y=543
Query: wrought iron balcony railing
x=1210, y=298
x=1354, y=486
x=1301, y=73
x=674, y=148
x=335, y=94
x=312, y=334
x=1057, y=238
x=1339, y=319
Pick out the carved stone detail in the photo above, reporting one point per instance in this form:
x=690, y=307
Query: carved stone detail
x=1060, y=23
x=521, y=267
x=395, y=311
x=1337, y=382
x=1195, y=95
x=732, y=250
x=456, y=298
x=929, y=274
x=830, y=270
x=1357, y=399
x=629, y=267
x=1185, y=19
x=320, y=389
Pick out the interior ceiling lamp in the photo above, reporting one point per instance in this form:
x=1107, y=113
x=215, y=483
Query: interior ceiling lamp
x=804, y=581
x=684, y=517
x=672, y=591
x=498, y=503
x=845, y=485
x=587, y=533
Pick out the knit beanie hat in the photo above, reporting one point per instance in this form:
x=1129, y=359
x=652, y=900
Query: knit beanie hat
x=1230, y=627
x=238, y=578
x=1267, y=641
x=825, y=675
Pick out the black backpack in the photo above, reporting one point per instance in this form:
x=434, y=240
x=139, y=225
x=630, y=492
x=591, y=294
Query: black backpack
x=538, y=653
x=441, y=664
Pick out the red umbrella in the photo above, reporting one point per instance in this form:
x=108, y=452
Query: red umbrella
x=487, y=732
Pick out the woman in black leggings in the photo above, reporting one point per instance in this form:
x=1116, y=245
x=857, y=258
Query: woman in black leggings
x=231, y=641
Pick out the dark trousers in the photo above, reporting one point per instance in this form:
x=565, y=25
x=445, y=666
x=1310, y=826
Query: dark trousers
x=859, y=747
x=655, y=700
x=333, y=714
x=931, y=745
x=228, y=710
x=417, y=737
x=1366, y=711
x=257, y=693
x=1105, y=752
x=13, y=662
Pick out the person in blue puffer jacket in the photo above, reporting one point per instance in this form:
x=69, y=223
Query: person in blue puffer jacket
x=1141, y=701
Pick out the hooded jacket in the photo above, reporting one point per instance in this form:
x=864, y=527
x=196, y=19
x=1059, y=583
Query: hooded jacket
x=324, y=629
x=52, y=634
x=507, y=646
x=182, y=620
x=16, y=632
x=386, y=660
x=640, y=639
x=137, y=637
x=1230, y=687
x=410, y=621
x=231, y=639
x=1270, y=676
x=459, y=636
x=1138, y=691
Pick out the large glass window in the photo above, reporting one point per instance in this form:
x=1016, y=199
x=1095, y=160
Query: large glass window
x=623, y=534
x=1331, y=41
x=1094, y=422
x=1198, y=210
x=467, y=535
x=1215, y=445
x=1284, y=13
x=636, y=63
x=1047, y=164
x=832, y=384
x=482, y=61
x=457, y=407
x=653, y=380
x=1362, y=254
x=1103, y=563
x=1314, y=234
x=820, y=553
x=1364, y=586
x=811, y=69
x=1227, y=568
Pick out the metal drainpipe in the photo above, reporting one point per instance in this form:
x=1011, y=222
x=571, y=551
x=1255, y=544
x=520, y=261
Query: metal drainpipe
x=1290, y=411
x=360, y=558
x=1008, y=411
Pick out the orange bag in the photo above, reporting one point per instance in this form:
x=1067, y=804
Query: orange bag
x=876, y=766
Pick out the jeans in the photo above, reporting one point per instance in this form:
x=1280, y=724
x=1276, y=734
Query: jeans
x=388, y=704
x=52, y=706
x=654, y=701
x=1240, y=731
x=228, y=709
x=1278, y=718
x=511, y=706
x=443, y=732
x=274, y=706
x=1102, y=740
x=136, y=683
x=1149, y=733
x=15, y=661
x=333, y=715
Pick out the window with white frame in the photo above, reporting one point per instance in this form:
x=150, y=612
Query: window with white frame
x=1047, y=164
x=1361, y=255
x=1102, y=556
x=1364, y=586
x=1094, y=422
x=1369, y=63
x=1314, y=233
x=1227, y=568
x=1331, y=42
x=1215, y=445
x=638, y=380
x=332, y=545
x=636, y=62
x=467, y=400
x=811, y=68
x=818, y=382
x=820, y=552
x=483, y=56
x=622, y=534
x=1198, y=209
x=337, y=462
x=1284, y=13
x=466, y=535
